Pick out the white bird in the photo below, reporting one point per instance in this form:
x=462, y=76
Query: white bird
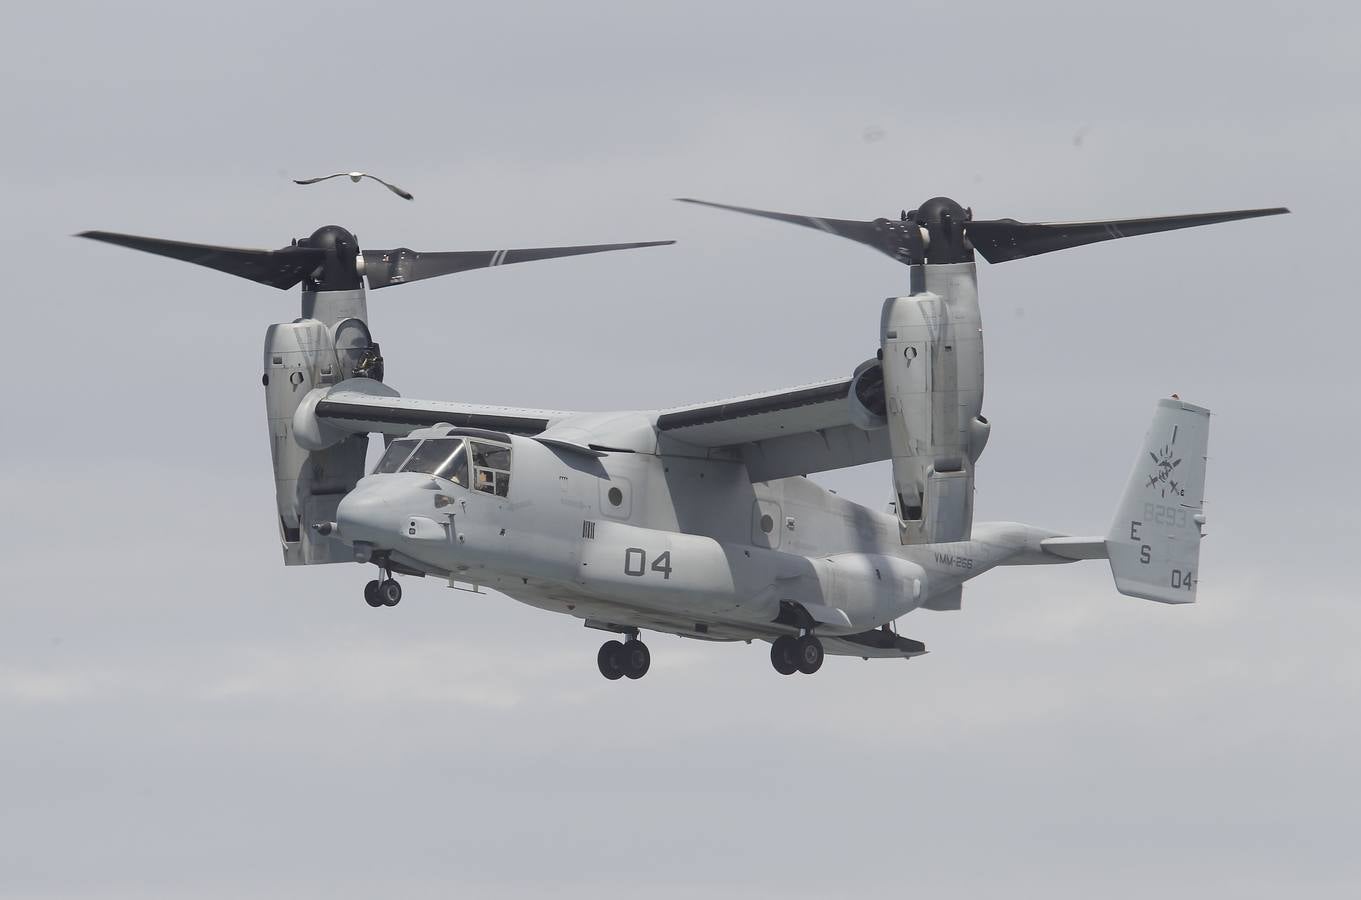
x=355, y=176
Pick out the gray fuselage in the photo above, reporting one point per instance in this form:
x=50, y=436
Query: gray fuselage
x=666, y=542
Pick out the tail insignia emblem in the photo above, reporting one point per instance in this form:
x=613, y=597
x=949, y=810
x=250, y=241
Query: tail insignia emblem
x=1164, y=466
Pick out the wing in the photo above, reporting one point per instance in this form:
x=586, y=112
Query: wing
x=777, y=434
x=781, y=433
x=405, y=195
x=362, y=409
x=318, y=178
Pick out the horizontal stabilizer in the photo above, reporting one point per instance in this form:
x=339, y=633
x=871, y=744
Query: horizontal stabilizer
x=1075, y=547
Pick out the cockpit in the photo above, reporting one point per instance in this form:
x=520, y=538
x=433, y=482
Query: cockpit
x=478, y=461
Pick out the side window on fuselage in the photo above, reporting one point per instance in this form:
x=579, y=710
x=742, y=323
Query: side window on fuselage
x=491, y=467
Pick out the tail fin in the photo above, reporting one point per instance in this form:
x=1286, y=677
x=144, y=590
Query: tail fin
x=1154, y=542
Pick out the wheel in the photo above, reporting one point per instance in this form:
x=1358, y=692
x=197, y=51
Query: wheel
x=371, y=594
x=636, y=659
x=782, y=655
x=391, y=592
x=808, y=654
x=610, y=658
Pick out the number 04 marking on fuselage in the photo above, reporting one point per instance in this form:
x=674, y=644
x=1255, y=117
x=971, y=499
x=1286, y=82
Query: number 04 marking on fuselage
x=635, y=563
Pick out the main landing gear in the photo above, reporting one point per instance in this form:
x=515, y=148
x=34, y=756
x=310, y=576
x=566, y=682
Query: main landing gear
x=387, y=592
x=789, y=654
x=629, y=659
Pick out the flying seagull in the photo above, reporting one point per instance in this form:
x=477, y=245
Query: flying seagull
x=355, y=176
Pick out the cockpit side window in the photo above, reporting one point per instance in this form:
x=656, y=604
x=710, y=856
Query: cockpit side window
x=456, y=470
x=441, y=457
x=396, y=454
x=491, y=467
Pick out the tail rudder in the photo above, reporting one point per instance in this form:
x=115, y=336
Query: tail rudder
x=1154, y=541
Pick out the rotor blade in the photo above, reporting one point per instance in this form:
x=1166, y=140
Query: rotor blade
x=900, y=240
x=277, y=268
x=400, y=265
x=1000, y=240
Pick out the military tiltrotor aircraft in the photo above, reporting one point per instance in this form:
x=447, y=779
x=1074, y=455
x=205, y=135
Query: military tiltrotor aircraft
x=697, y=521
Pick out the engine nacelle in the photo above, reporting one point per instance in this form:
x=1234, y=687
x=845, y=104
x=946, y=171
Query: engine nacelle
x=868, y=404
x=314, y=468
x=932, y=366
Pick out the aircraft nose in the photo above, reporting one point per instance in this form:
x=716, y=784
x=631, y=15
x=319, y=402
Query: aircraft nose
x=367, y=514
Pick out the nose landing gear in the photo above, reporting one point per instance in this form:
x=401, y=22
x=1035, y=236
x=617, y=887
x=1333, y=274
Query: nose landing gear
x=387, y=592
x=789, y=654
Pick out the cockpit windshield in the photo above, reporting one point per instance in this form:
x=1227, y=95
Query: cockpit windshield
x=396, y=454
x=448, y=457
x=441, y=457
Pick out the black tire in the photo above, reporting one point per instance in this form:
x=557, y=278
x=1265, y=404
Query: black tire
x=371, y=596
x=391, y=592
x=636, y=659
x=610, y=660
x=782, y=655
x=808, y=654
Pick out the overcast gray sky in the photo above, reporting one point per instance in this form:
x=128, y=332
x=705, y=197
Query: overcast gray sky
x=181, y=716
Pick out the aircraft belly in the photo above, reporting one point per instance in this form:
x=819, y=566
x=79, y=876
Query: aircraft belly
x=574, y=601
x=872, y=588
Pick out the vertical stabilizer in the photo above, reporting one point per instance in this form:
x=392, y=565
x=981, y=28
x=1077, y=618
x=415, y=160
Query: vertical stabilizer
x=1154, y=542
